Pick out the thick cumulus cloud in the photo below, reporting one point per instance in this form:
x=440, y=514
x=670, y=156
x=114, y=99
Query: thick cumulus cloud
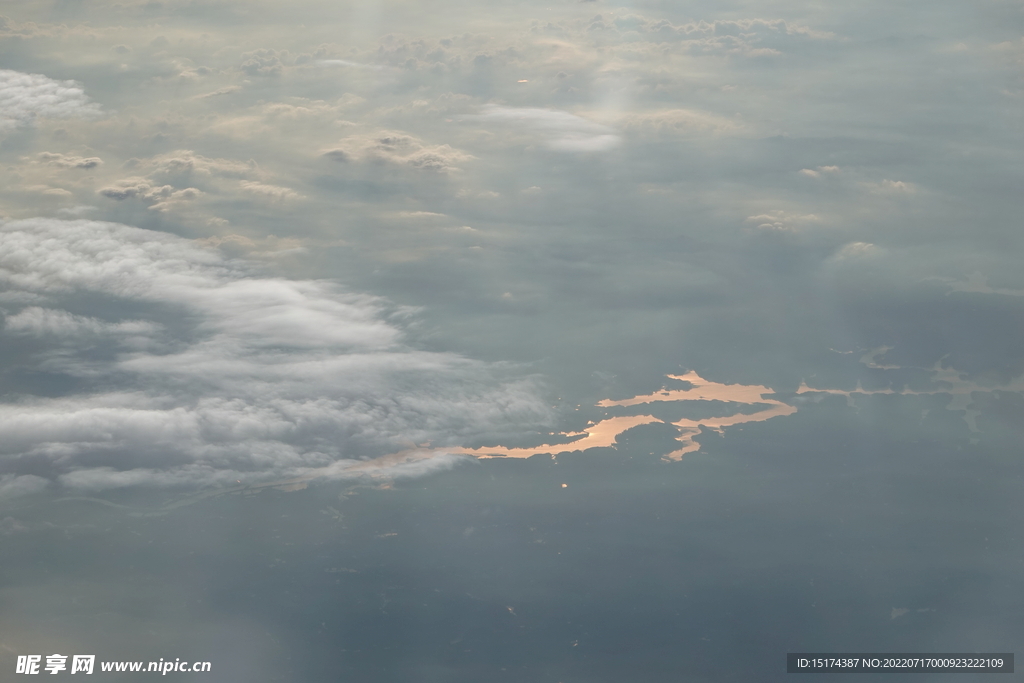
x=219, y=372
x=25, y=97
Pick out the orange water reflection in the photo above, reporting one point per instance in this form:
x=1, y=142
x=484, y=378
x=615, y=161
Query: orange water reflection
x=605, y=433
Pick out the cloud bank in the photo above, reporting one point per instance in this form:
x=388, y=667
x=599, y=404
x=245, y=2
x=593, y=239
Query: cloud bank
x=221, y=373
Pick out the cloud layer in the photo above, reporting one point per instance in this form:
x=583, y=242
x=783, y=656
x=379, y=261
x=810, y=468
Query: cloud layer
x=223, y=373
x=621, y=190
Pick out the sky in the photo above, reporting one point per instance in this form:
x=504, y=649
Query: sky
x=461, y=341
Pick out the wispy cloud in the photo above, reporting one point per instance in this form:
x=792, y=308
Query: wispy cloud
x=348, y=63
x=561, y=130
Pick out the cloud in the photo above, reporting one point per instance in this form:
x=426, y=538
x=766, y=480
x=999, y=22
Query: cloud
x=345, y=62
x=168, y=181
x=242, y=376
x=226, y=90
x=976, y=282
x=263, y=62
x=681, y=121
x=13, y=486
x=10, y=526
x=25, y=97
x=274, y=192
x=127, y=188
x=184, y=161
x=42, y=321
x=820, y=171
x=268, y=247
x=894, y=187
x=399, y=148
x=76, y=211
x=562, y=131
x=160, y=198
x=781, y=221
x=68, y=161
x=747, y=37
x=857, y=250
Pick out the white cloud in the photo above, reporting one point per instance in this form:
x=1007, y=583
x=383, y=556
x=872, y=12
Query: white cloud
x=890, y=188
x=897, y=186
x=253, y=377
x=857, y=250
x=275, y=192
x=781, y=221
x=24, y=97
x=44, y=321
x=820, y=171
